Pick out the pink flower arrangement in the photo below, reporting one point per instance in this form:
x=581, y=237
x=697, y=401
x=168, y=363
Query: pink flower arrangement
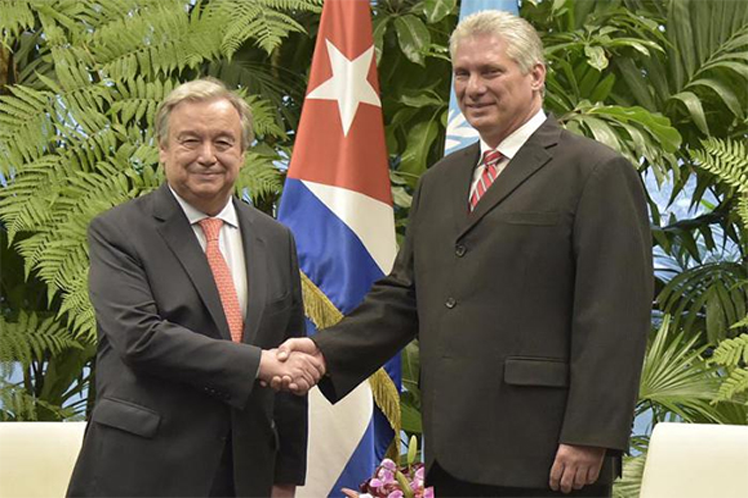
x=393, y=481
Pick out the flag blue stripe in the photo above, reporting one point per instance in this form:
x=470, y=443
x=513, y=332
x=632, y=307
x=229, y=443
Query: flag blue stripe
x=330, y=254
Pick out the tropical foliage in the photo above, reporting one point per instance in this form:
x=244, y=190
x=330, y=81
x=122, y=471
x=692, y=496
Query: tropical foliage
x=732, y=355
x=665, y=82
x=82, y=80
x=728, y=161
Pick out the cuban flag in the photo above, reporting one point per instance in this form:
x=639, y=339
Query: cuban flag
x=338, y=203
x=459, y=132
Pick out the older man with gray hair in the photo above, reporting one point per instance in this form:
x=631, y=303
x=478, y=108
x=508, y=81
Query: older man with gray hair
x=189, y=286
x=526, y=275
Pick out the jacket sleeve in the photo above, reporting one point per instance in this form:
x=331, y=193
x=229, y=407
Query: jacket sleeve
x=613, y=294
x=128, y=321
x=290, y=412
x=385, y=322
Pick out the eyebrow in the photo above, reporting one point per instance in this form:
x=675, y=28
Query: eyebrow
x=230, y=136
x=192, y=133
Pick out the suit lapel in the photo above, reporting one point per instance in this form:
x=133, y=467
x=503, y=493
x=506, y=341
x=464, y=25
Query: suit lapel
x=255, y=254
x=532, y=156
x=460, y=177
x=180, y=237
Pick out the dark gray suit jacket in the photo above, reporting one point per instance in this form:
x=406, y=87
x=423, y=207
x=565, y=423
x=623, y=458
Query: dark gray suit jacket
x=532, y=312
x=170, y=384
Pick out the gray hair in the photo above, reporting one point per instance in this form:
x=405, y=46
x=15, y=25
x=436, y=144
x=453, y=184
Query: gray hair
x=202, y=90
x=523, y=43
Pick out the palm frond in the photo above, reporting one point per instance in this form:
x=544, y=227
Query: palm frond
x=676, y=380
x=707, y=297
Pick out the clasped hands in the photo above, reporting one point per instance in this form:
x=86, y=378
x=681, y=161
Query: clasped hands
x=297, y=365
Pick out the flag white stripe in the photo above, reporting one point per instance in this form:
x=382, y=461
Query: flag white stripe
x=334, y=434
x=371, y=220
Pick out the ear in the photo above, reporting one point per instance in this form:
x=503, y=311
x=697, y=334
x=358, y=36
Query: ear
x=243, y=157
x=162, y=151
x=537, y=73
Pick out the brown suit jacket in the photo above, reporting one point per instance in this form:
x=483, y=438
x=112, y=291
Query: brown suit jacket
x=532, y=312
x=170, y=384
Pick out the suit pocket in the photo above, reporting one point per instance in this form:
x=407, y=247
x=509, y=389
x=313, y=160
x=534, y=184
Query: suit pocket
x=280, y=305
x=532, y=218
x=529, y=371
x=126, y=416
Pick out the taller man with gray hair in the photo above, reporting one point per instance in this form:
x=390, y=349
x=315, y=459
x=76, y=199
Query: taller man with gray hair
x=189, y=286
x=526, y=274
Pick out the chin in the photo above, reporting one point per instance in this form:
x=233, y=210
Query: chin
x=483, y=125
x=477, y=119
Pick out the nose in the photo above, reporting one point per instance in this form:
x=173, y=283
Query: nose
x=207, y=154
x=475, y=85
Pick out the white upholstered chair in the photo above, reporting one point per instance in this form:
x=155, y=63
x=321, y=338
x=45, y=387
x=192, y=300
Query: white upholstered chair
x=37, y=458
x=696, y=461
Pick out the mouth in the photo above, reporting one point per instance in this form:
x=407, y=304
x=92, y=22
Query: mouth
x=478, y=105
x=207, y=177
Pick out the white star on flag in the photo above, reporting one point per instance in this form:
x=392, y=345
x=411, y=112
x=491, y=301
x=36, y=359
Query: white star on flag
x=349, y=84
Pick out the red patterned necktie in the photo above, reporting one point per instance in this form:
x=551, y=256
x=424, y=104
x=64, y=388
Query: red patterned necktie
x=491, y=159
x=222, y=275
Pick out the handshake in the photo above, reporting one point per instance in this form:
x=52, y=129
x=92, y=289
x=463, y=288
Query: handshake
x=296, y=366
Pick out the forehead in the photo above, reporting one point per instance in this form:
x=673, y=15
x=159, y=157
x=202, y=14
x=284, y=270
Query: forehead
x=481, y=47
x=213, y=115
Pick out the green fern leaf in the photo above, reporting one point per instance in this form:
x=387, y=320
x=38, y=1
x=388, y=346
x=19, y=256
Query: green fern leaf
x=30, y=338
x=17, y=17
x=732, y=352
x=259, y=177
x=262, y=21
x=736, y=383
x=727, y=159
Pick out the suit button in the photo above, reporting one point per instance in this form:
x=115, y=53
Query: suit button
x=450, y=303
x=460, y=250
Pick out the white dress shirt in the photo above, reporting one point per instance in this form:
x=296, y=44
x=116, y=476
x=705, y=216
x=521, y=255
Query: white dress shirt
x=229, y=243
x=508, y=147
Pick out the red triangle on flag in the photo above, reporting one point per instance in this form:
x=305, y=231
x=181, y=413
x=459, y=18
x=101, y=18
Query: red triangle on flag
x=340, y=138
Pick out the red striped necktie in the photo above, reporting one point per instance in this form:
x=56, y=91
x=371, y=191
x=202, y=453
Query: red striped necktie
x=491, y=160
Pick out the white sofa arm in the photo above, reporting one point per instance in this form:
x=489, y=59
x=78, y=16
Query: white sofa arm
x=696, y=461
x=37, y=458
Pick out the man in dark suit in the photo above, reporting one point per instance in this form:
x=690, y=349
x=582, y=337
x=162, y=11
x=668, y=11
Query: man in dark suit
x=189, y=286
x=530, y=295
